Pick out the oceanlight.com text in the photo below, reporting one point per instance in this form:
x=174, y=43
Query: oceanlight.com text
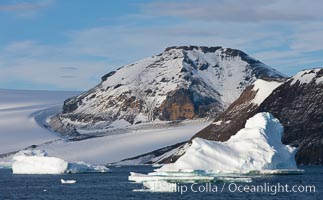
x=271, y=188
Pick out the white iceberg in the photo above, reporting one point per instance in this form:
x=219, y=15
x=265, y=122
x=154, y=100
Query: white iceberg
x=38, y=162
x=68, y=181
x=256, y=147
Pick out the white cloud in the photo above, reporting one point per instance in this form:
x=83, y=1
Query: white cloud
x=237, y=10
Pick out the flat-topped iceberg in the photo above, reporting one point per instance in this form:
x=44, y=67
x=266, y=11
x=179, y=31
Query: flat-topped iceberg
x=256, y=147
x=38, y=162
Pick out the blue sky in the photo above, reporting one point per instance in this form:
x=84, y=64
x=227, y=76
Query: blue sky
x=70, y=44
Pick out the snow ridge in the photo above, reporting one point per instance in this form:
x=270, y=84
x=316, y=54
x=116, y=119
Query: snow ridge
x=308, y=76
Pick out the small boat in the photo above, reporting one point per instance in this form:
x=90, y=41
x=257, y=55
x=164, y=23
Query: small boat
x=68, y=181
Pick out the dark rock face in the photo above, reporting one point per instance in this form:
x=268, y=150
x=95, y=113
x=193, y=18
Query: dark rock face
x=180, y=105
x=185, y=104
x=147, y=157
x=299, y=107
x=192, y=47
x=105, y=77
x=70, y=105
x=231, y=120
x=58, y=126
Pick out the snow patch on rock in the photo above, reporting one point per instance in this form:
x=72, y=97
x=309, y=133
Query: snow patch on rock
x=264, y=89
x=306, y=76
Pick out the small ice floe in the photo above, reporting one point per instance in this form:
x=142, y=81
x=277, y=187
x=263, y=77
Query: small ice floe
x=68, y=181
x=82, y=167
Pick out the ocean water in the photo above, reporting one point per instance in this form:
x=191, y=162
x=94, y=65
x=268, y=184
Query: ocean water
x=115, y=185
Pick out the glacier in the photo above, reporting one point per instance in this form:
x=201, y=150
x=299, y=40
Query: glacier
x=38, y=162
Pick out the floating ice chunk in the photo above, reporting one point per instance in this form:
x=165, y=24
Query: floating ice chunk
x=184, y=177
x=38, y=162
x=68, y=181
x=257, y=147
x=82, y=167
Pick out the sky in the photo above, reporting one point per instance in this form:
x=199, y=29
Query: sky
x=70, y=44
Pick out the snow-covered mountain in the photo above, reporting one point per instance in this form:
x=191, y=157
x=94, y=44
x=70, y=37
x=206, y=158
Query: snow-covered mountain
x=183, y=82
x=296, y=102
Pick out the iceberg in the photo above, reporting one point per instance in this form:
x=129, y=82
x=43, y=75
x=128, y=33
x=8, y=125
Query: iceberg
x=82, y=167
x=257, y=147
x=255, y=150
x=38, y=162
x=68, y=181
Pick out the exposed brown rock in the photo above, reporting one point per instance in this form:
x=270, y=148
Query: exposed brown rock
x=233, y=119
x=178, y=106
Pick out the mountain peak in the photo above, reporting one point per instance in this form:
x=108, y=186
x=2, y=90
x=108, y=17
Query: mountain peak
x=193, y=47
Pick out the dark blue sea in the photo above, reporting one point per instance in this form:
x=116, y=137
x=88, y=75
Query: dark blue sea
x=115, y=185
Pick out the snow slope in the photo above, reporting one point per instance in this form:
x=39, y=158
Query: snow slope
x=18, y=109
x=113, y=148
x=264, y=89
